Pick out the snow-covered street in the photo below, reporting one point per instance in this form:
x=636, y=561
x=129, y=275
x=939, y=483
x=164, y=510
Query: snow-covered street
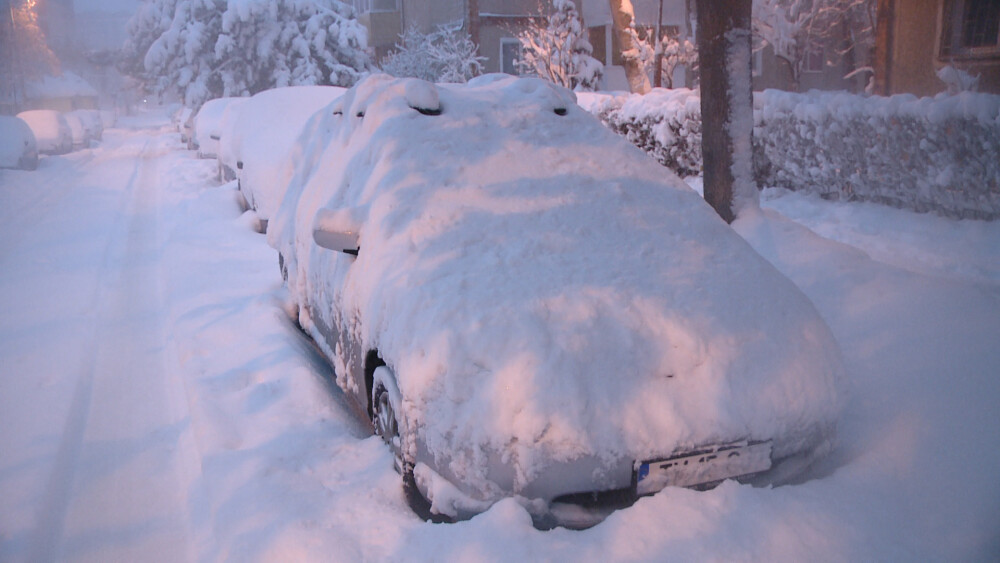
x=157, y=403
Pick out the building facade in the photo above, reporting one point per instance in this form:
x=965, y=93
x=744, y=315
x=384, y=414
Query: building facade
x=920, y=37
x=492, y=24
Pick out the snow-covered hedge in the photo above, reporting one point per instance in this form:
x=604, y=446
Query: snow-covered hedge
x=937, y=154
x=664, y=123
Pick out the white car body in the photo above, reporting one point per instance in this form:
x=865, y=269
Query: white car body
x=18, y=148
x=52, y=132
x=266, y=129
x=208, y=125
x=558, y=316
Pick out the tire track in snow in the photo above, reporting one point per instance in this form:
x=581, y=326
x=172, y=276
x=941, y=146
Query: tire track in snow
x=118, y=487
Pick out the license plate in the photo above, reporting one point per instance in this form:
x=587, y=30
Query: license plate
x=703, y=466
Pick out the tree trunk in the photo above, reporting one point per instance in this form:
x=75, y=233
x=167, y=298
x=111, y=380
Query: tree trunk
x=473, y=16
x=726, y=105
x=884, y=20
x=621, y=17
x=658, y=58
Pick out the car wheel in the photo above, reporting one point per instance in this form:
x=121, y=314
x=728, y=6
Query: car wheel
x=385, y=405
x=283, y=268
x=385, y=421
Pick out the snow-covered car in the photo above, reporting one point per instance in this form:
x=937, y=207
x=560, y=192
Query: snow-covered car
x=228, y=145
x=109, y=118
x=525, y=305
x=179, y=119
x=78, y=130
x=208, y=125
x=52, y=133
x=258, y=145
x=18, y=148
x=93, y=123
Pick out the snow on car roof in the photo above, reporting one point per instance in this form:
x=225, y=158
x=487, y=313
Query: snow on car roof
x=16, y=141
x=542, y=289
x=267, y=128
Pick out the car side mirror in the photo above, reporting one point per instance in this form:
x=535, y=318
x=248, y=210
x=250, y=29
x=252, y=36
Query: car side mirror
x=332, y=232
x=346, y=242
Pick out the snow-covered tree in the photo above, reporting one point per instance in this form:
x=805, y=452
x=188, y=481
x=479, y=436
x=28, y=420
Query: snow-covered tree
x=559, y=50
x=202, y=49
x=794, y=28
x=634, y=53
x=670, y=50
x=445, y=55
x=674, y=52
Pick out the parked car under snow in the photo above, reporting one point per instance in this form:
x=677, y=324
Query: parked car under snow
x=17, y=144
x=525, y=305
x=208, y=125
x=255, y=148
x=52, y=132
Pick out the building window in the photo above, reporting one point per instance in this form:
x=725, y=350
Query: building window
x=510, y=54
x=598, y=40
x=368, y=6
x=970, y=28
x=814, y=60
x=757, y=62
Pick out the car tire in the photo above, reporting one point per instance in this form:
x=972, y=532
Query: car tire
x=284, y=269
x=386, y=423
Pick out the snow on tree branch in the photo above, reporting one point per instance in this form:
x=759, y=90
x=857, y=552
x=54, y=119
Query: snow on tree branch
x=794, y=28
x=559, y=50
x=445, y=55
x=203, y=49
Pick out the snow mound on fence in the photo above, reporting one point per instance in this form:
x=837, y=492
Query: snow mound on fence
x=542, y=290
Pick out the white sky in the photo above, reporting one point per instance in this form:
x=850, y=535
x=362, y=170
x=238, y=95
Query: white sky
x=106, y=5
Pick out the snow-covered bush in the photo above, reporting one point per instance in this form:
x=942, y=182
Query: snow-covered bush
x=664, y=123
x=203, y=49
x=937, y=154
x=445, y=55
x=559, y=51
x=958, y=80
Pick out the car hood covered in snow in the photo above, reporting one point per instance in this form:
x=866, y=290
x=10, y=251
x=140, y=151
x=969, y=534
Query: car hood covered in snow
x=544, y=291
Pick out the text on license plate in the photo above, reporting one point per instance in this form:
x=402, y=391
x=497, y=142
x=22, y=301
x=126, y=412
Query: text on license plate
x=706, y=465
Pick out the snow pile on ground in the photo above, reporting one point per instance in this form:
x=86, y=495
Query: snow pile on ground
x=267, y=128
x=927, y=243
x=542, y=290
x=937, y=154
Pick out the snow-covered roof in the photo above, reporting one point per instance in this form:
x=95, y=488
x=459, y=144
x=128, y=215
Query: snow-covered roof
x=66, y=85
